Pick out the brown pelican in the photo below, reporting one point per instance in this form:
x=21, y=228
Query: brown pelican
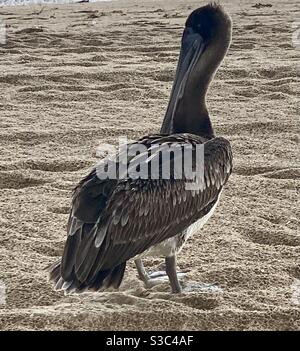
x=114, y=220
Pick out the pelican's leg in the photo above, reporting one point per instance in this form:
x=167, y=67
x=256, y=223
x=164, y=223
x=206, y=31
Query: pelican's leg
x=172, y=274
x=159, y=277
x=143, y=275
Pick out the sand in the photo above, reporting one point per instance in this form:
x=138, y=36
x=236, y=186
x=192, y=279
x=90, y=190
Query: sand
x=74, y=76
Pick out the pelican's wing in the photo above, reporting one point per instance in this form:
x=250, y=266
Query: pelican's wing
x=112, y=221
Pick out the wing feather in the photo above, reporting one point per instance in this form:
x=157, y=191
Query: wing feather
x=114, y=220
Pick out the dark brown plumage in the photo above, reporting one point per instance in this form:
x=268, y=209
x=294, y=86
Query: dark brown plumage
x=109, y=222
x=114, y=220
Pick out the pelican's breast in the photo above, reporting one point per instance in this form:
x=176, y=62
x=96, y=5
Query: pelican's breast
x=166, y=248
x=196, y=226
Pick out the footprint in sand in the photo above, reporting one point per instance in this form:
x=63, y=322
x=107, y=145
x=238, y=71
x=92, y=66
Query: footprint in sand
x=56, y=165
x=269, y=172
x=59, y=210
x=272, y=238
x=30, y=30
x=204, y=299
x=13, y=180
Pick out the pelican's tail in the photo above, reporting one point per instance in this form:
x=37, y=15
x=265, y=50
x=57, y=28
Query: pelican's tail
x=103, y=280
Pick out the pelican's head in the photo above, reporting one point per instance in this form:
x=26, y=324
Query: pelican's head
x=205, y=40
x=206, y=21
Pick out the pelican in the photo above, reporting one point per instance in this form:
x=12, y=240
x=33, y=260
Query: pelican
x=114, y=220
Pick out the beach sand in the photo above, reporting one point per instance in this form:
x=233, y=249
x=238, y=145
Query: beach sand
x=75, y=76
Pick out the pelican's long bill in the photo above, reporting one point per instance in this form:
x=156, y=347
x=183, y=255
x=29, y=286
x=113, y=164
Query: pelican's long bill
x=192, y=48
